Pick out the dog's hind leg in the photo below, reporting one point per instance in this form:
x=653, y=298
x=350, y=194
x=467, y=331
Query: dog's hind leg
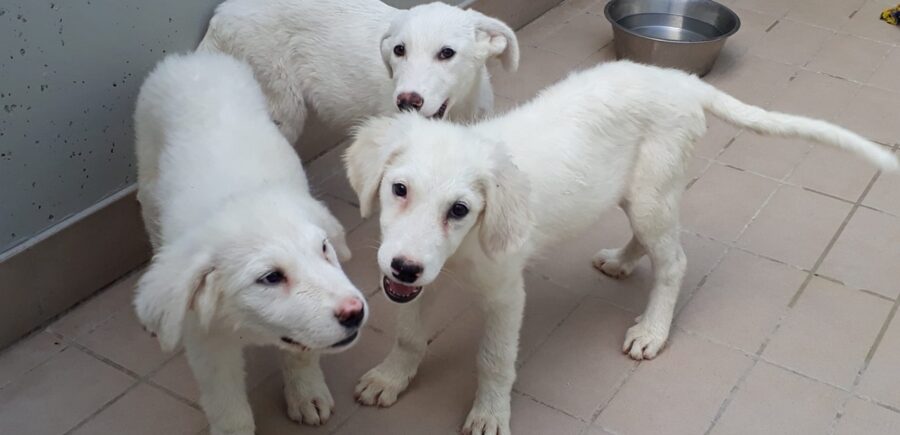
x=381, y=385
x=653, y=209
x=308, y=399
x=619, y=263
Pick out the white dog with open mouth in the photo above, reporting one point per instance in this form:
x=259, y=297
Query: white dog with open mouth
x=478, y=201
x=244, y=255
x=352, y=59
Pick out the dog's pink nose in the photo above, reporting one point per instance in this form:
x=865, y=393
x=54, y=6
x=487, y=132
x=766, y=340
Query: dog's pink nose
x=350, y=312
x=410, y=100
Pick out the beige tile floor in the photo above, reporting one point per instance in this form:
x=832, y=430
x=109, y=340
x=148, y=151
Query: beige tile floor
x=787, y=320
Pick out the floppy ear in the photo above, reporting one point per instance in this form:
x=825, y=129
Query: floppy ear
x=366, y=159
x=387, y=46
x=386, y=50
x=500, y=39
x=506, y=220
x=179, y=279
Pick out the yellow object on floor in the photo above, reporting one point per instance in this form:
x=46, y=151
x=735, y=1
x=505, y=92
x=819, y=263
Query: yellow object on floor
x=891, y=15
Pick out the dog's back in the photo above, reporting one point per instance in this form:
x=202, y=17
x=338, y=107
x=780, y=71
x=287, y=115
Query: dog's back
x=202, y=134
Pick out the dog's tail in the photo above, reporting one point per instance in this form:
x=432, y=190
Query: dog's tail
x=761, y=121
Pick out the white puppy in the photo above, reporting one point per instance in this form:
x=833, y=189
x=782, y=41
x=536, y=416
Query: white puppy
x=352, y=59
x=244, y=255
x=477, y=201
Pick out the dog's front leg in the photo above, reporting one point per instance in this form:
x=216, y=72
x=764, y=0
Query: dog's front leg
x=497, y=360
x=381, y=385
x=308, y=399
x=218, y=366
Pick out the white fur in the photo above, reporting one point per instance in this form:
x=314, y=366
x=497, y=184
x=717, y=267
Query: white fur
x=336, y=57
x=226, y=201
x=620, y=133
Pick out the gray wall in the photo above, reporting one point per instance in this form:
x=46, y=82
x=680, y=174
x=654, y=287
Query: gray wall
x=69, y=73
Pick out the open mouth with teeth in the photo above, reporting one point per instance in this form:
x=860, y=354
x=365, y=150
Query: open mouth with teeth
x=399, y=293
x=343, y=342
x=441, y=110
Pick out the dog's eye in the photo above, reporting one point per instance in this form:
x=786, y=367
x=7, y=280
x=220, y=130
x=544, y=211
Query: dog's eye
x=446, y=53
x=273, y=277
x=399, y=190
x=399, y=50
x=458, y=211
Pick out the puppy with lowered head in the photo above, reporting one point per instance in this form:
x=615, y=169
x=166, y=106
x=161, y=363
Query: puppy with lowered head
x=351, y=59
x=474, y=203
x=244, y=255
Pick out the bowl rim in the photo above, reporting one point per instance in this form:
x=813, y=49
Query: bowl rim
x=616, y=25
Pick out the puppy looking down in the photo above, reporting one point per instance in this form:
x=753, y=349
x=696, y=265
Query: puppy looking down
x=243, y=254
x=474, y=203
x=352, y=59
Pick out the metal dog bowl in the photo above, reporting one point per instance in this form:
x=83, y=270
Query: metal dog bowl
x=683, y=34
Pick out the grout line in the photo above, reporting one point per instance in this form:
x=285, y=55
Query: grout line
x=539, y=401
x=602, y=407
x=772, y=26
x=102, y=408
x=865, y=366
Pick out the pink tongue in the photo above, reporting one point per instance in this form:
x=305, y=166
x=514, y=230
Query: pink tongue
x=402, y=290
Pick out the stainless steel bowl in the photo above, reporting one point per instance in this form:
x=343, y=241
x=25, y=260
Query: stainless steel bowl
x=683, y=34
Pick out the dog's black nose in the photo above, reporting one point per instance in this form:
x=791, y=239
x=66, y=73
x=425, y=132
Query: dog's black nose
x=410, y=101
x=350, y=312
x=405, y=270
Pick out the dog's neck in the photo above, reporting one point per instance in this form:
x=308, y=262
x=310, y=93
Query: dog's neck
x=467, y=108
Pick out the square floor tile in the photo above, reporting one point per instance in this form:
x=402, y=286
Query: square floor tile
x=97, y=309
x=123, y=340
x=773, y=400
x=795, y=226
x=603, y=55
x=363, y=269
x=342, y=371
x=872, y=113
x=886, y=75
x=346, y=213
x=865, y=23
x=866, y=255
x=741, y=301
x=755, y=80
x=791, y=42
x=827, y=334
x=774, y=7
x=580, y=366
x=722, y=202
x=770, y=156
x=546, y=306
x=835, y=172
x=679, y=392
x=532, y=418
x=538, y=69
x=815, y=95
x=447, y=302
x=885, y=193
x=27, y=354
x=51, y=399
x=861, y=417
x=833, y=14
x=438, y=399
x=880, y=380
x=718, y=135
x=850, y=57
x=753, y=27
x=579, y=37
x=542, y=27
x=145, y=411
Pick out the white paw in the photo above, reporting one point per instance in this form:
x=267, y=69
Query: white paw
x=608, y=262
x=309, y=403
x=644, y=341
x=379, y=388
x=482, y=421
